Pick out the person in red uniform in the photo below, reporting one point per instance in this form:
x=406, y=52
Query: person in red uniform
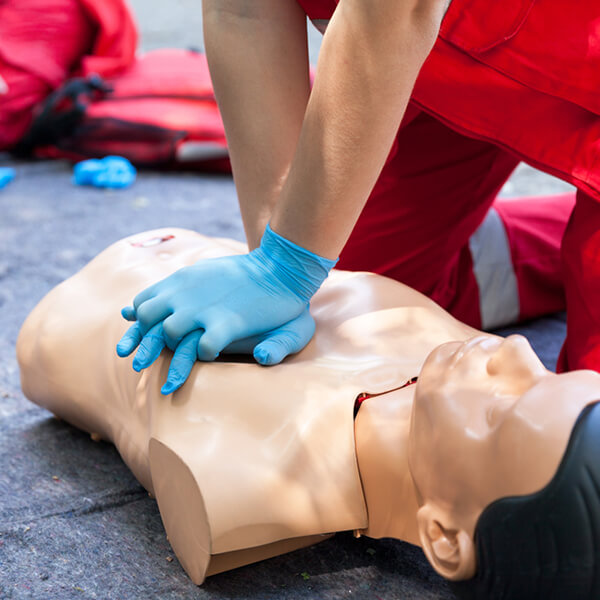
x=504, y=82
x=420, y=111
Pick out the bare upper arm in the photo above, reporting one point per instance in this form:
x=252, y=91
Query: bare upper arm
x=390, y=24
x=272, y=11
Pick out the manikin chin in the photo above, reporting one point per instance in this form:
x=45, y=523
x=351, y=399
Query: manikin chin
x=478, y=459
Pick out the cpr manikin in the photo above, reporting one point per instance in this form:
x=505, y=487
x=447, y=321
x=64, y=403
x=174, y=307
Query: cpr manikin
x=247, y=462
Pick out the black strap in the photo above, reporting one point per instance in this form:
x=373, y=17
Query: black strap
x=60, y=113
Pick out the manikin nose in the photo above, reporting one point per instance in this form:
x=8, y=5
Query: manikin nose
x=516, y=357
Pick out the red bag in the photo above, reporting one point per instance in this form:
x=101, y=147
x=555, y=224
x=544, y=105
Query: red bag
x=160, y=112
x=43, y=42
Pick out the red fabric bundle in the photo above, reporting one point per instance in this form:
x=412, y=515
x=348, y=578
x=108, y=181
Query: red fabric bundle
x=160, y=111
x=43, y=42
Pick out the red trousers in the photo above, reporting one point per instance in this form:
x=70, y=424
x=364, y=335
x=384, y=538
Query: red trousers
x=435, y=197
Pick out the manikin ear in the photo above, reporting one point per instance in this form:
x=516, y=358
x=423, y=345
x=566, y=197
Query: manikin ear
x=450, y=550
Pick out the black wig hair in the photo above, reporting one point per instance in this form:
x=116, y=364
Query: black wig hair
x=545, y=545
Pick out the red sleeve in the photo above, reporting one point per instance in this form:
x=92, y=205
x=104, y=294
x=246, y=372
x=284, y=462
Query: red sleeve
x=318, y=9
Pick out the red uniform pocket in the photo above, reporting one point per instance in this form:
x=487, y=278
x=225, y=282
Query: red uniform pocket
x=552, y=46
x=476, y=26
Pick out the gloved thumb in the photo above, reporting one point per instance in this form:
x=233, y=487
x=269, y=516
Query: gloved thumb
x=287, y=339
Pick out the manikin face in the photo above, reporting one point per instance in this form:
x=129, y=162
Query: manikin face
x=489, y=421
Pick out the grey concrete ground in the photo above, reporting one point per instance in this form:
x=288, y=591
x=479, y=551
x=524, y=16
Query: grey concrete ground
x=73, y=521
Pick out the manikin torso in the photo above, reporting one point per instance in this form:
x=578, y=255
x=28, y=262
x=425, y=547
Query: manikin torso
x=245, y=461
x=259, y=441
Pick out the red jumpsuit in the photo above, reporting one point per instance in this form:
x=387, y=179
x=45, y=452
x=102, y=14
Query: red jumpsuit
x=505, y=82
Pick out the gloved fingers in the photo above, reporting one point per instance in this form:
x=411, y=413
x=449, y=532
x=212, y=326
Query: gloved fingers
x=150, y=348
x=182, y=362
x=130, y=340
x=180, y=323
x=145, y=295
x=245, y=345
x=152, y=311
x=128, y=313
x=216, y=337
x=287, y=339
x=171, y=343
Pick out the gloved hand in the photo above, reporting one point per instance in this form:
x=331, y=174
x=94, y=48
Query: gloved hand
x=228, y=299
x=268, y=349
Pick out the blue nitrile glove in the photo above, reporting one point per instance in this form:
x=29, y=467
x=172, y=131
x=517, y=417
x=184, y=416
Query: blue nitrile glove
x=107, y=172
x=7, y=174
x=268, y=349
x=229, y=298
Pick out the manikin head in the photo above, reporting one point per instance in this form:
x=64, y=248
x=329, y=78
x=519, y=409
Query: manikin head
x=496, y=450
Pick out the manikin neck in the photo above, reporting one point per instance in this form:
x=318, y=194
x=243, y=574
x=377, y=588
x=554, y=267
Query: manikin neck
x=381, y=429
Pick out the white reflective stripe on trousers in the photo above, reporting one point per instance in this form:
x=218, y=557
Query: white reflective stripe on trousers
x=494, y=272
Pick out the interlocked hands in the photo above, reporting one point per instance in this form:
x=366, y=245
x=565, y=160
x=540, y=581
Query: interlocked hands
x=252, y=303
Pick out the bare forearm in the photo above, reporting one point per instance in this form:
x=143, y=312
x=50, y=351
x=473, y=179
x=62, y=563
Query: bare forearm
x=257, y=55
x=367, y=68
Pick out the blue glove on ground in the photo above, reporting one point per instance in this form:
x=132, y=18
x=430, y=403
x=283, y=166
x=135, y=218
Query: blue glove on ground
x=107, y=172
x=226, y=300
x=7, y=174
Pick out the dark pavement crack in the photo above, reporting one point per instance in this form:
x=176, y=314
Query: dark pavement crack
x=98, y=505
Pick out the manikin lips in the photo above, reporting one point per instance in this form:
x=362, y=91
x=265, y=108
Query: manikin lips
x=365, y=395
